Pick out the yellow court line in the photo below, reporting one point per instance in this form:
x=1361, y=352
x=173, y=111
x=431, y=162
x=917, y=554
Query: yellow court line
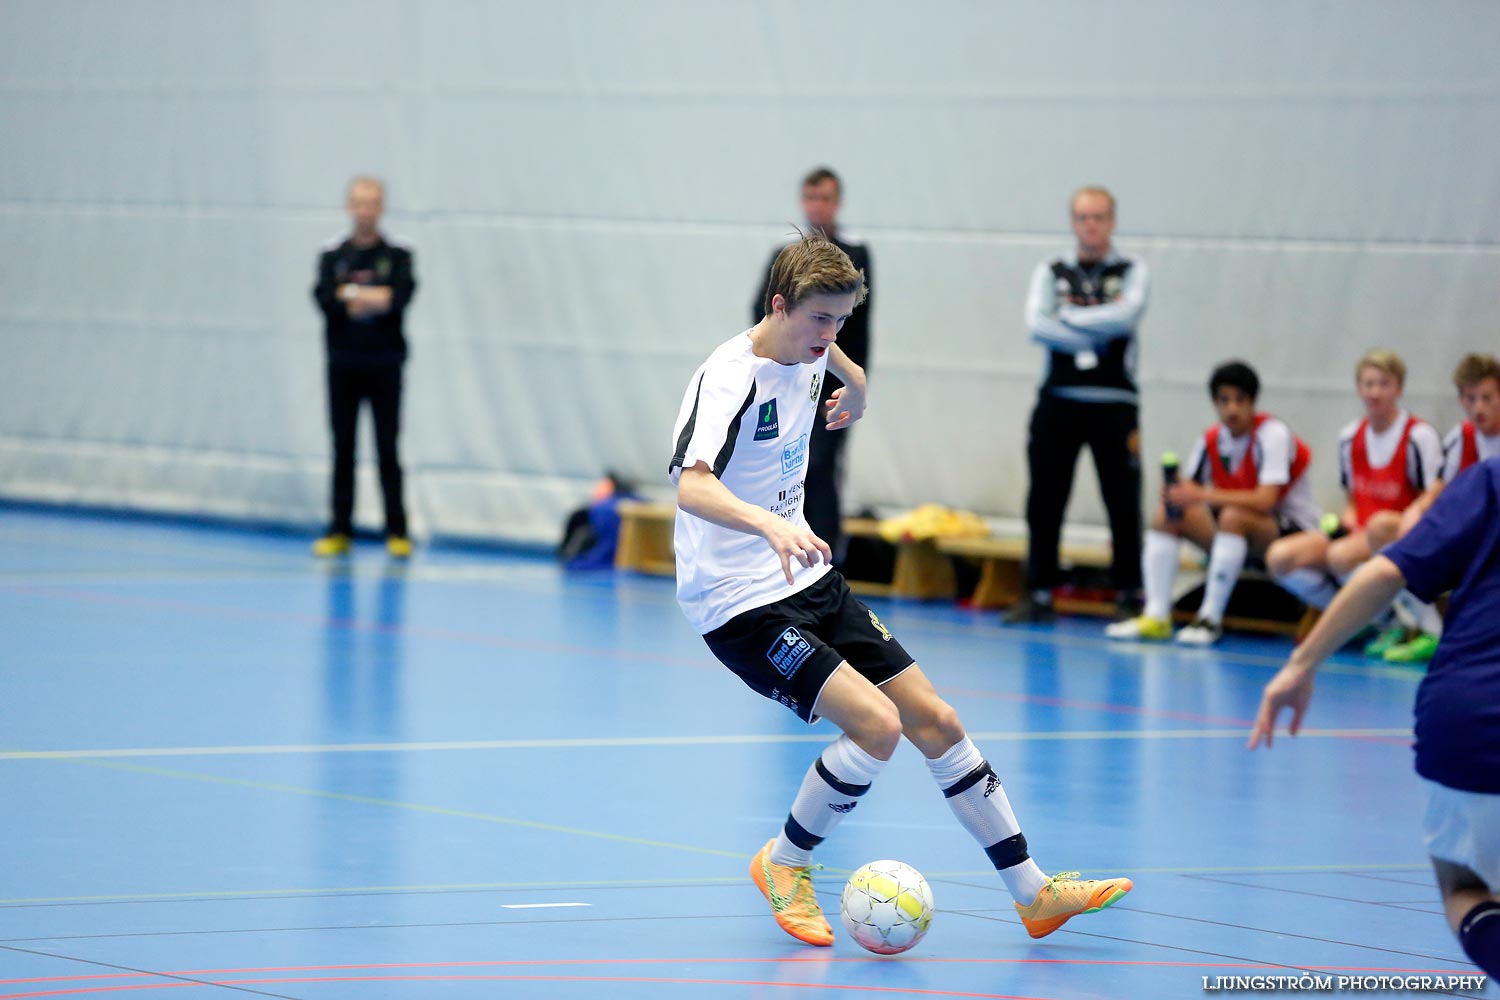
x=354, y=890
x=1084, y=735
x=523, y=578
x=319, y=793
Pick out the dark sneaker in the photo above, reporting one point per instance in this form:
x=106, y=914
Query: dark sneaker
x=1128, y=606
x=1029, y=611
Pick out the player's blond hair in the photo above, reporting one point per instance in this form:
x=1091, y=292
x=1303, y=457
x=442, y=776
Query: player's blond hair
x=813, y=266
x=1474, y=369
x=1382, y=360
x=366, y=180
x=1092, y=189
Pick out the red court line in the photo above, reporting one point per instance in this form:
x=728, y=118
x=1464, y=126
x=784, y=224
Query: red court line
x=532, y=979
x=829, y=960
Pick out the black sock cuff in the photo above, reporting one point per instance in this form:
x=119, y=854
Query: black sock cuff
x=1008, y=853
x=837, y=784
x=798, y=835
x=971, y=779
x=1488, y=911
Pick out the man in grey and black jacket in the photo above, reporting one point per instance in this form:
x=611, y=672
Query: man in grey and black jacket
x=1085, y=309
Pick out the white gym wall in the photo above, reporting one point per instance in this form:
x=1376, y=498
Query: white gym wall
x=592, y=187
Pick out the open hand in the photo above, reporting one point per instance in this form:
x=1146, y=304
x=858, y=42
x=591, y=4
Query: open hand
x=845, y=406
x=1291, y=687
x=792, y=541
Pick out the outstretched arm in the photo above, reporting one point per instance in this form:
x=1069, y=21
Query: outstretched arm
x=1373, y=587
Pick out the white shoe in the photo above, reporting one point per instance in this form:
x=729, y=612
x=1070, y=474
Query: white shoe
x=1201, y=632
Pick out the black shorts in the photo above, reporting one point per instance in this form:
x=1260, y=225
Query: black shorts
x=787, y=651
x=1284, y=525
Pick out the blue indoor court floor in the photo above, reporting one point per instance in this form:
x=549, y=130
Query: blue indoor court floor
x=227, y=769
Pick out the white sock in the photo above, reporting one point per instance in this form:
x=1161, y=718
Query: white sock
x=1159, y=561
x=1417, y=614
x=830, y=791
x=1313, y=586
x=1432, y=622
x=1225, y=560
x=976, y=798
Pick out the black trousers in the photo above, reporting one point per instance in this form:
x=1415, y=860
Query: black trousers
x=1059, y=429
x=820, y=502
x=348, y=386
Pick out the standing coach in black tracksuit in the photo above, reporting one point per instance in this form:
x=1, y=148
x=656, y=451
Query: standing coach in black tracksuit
x=821, y=191
x=365, y=283
x=1084, y=310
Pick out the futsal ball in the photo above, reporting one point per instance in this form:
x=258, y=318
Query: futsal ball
x=886, y=907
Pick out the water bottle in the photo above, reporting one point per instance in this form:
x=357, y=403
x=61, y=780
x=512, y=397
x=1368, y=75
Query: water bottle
x=1169, y=469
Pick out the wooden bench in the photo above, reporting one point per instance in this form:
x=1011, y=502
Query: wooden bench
x=1002, y=580
x=1001, y=576
x=921, y=573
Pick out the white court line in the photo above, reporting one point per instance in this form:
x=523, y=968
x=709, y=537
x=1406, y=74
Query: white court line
x=1233, y=733
x=538, y=906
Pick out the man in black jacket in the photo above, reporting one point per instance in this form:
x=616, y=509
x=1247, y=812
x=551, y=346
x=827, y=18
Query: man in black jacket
x=821, y=192
x=365, y=283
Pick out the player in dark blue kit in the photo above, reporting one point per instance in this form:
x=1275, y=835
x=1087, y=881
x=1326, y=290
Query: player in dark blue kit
x=1456, y=547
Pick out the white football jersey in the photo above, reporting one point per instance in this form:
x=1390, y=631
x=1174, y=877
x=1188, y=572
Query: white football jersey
x=748, y=419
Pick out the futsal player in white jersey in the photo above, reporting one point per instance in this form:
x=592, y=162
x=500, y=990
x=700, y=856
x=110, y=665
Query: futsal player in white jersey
x=758, y=585
x=1246, y=486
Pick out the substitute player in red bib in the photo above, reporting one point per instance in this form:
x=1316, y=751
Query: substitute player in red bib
x=756, y=582
x=1473, y=439
x=1246, y=487
x=1386, y=460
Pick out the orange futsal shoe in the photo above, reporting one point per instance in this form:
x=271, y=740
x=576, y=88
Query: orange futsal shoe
x=1066, y=896
x=793, y=902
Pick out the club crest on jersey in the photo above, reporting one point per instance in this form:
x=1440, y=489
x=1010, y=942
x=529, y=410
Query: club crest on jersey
x=766, y=424
x=817, y=383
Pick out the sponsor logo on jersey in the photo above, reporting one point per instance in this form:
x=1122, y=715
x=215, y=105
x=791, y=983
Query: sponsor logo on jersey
x=885, y=633
x=778, y=695
x=793, y=457
x=789, y=652
x=788, y=502
x=766, y=425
